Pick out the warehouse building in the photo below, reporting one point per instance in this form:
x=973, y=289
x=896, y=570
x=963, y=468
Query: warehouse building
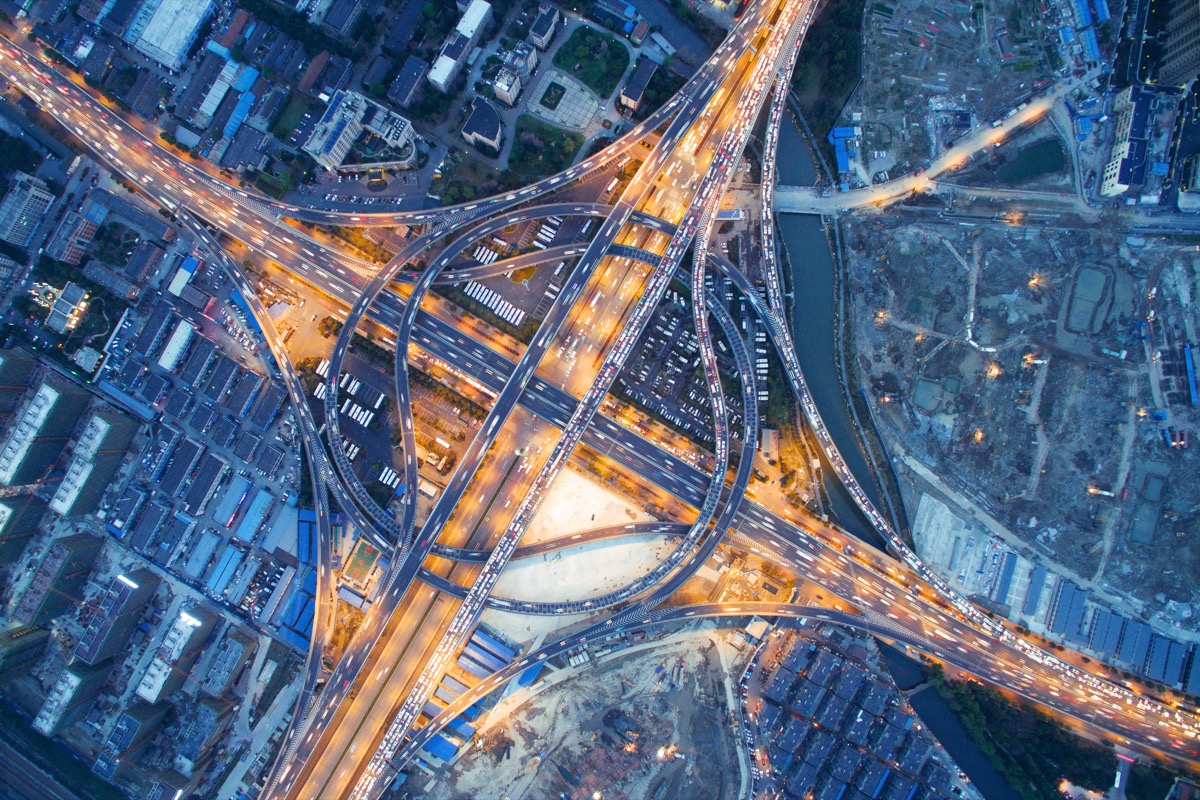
x=171, y=29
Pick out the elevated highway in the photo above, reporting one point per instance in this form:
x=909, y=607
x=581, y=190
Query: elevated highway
x=883, y=588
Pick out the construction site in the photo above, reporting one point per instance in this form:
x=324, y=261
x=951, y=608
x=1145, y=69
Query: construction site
x=932, y=71
x=1040, y=383
x=646, y=722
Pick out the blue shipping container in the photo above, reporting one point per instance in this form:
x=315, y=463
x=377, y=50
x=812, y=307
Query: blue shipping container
x=496, y=648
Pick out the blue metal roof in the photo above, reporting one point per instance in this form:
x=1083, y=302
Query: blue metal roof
x=1037, y=580
x=246, y=80
x=219, y=580
x=1084, y=13
x=306, y=543
x=493, y=645
x=255, y=516
x=461, y=728
x=1006, y=576
x=843, y=156
x=240, y=112
x=441, y=748
x=1193, y=681
x=293, y=638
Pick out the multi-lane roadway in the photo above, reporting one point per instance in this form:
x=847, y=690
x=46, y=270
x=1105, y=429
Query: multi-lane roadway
x=365, y=716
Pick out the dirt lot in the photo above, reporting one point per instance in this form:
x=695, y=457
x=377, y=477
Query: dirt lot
x=932, y=70
x=649, y=724
x=1042, y=374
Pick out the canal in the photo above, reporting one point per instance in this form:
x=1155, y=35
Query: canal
x=814, y=330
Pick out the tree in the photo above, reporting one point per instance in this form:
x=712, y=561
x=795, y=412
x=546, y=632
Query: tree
x=17, y=155
x=328, y=326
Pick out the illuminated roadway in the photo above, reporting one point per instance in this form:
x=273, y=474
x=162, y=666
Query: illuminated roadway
x=754, y=527
x=323, y=776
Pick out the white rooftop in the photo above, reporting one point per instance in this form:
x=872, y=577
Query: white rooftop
x=25, y=431
x=72, y=484
x=172, y=29
x=475, y=15
x=440, y=72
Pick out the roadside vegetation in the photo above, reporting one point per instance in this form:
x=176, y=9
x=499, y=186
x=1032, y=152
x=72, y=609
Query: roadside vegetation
x=1148, y=782
x=1031, y=750
x=663, y=85
x=596, y=59
x=541, y=149
x=17, y=155
x=830, y=65
x=465, y=177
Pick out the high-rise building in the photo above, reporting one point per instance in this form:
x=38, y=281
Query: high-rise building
x=134, y=727
x=1179, y=62
x=20, y=647
x=16, y=371
x=97, y=455
x=541, y=33
x=55, y=584
x=23, y=208
x=235, y=649
x=200, y=734
x=72, y=695
x=19, y=519
x=1126, y=168
x=41, y=432
x=176, y=655
x=119, y=611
